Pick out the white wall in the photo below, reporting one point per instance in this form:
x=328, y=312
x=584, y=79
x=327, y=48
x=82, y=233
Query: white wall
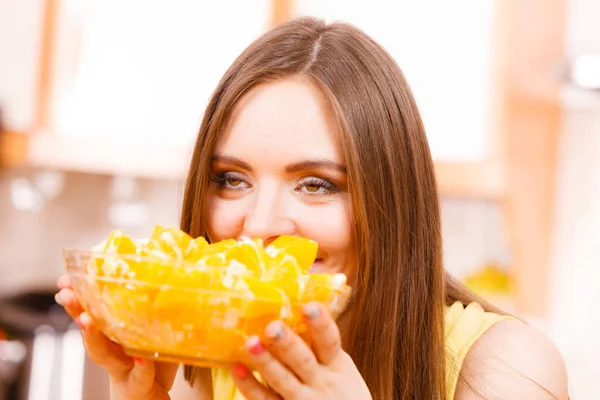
x=20, y=44
x=575, y=303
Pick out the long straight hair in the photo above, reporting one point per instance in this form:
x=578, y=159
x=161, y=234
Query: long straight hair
x=398, y=304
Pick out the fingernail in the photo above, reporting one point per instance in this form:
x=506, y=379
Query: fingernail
x=241, y=371
x=83, y=320
x=274, y=330
x=254, y=345
x=62, y=282
x=57, y=299
x=138, y=360
x=79, y=323
x=311, y=311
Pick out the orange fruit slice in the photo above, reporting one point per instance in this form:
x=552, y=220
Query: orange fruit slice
x=302, y=249
x=262, y=298
x=249, y=253
x=285, y=274
x=320, y=287
x=215, y=254
x=117, y=243
x=196, y=250
x=169, y=243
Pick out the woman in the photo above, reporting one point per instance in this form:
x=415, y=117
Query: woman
x=313, y=131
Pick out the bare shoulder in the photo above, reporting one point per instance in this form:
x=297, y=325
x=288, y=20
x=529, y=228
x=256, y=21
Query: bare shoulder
x=513, y=361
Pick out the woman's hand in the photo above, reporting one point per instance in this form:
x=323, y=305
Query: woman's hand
x=292, y=370
x=130, y=378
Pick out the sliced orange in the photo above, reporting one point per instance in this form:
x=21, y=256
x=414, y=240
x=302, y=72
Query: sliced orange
x=220, y=248
x=285, y=274
x=263, y=298
x=170, y=242
x=117, y=243
x=196, y=250
x=249, y=253
x=320, y=287
x=195, y=278
x=152, y=272
x=215, y=254
x=302, y=249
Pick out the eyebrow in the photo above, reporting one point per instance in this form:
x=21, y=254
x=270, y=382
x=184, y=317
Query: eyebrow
x=231, y=161
x=291, y=168
x=314, y=164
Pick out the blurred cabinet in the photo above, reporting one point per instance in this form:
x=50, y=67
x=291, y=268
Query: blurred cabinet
x=20, y=45
x=449, y=53
x=582, y=35
x=20, y=52
x=127, y=82
x=446, y=51
x=130, y=80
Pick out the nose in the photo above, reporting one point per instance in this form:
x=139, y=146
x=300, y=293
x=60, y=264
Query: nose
x=268, y=216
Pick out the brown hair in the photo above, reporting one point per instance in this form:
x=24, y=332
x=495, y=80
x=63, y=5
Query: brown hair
x=401, y=290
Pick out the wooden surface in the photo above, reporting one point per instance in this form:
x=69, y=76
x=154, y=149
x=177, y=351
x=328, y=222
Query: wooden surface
x=531, y=124
x=481, y=180
x=97, y=156
x=43, y=114
x=281, y=11
x=15, y=146
x=13, y=149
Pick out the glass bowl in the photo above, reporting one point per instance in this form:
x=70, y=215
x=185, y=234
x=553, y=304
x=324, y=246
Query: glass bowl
x=188, y=313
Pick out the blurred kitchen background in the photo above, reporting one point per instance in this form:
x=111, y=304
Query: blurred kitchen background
x=100, y=102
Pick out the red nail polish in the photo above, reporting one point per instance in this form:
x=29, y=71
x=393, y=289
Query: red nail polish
x=255, y=346
x=138, y=360
x=241, y=371
x=79, y=323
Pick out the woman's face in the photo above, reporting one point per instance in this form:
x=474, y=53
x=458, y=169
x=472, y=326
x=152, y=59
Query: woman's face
x=278, y=169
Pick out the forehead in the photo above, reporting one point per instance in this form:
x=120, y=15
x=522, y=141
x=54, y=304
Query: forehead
x=282, y=121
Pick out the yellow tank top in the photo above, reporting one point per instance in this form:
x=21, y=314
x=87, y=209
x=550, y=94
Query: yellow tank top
x=463, y=326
